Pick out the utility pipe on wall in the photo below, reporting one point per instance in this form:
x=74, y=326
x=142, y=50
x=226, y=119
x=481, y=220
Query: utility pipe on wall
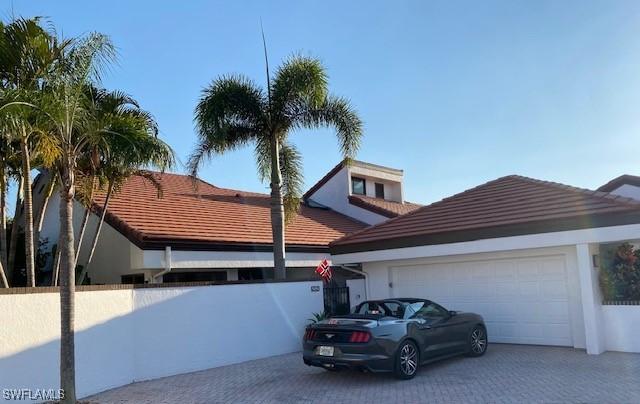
x=167, y=265
x=366, y=278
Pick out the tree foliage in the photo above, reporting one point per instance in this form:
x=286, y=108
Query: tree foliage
x=620, y=273
x=234, y=112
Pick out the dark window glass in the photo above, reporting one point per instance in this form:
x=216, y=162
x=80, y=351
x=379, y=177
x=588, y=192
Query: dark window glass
x=392, y=309
x=250, y=274
x=428, y=310
x=134, y=279
x=379, y=190
x=194, y=276
x=358, y=186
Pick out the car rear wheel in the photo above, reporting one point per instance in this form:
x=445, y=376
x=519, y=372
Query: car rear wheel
x=478, y=341
x=407, y=360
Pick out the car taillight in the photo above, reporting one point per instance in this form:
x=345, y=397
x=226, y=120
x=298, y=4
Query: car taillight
x=309, y=334
x=359, y=336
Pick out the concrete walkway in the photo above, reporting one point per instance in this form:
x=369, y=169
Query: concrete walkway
x=506, y=374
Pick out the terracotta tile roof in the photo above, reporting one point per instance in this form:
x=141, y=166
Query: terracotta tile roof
x=212, y=216
x=507, y=206
x=619, y=181
x=382, y=206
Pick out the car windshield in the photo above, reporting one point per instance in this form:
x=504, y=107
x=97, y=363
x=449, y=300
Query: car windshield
x=389, y=309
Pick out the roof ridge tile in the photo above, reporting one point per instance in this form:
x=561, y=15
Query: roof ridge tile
x=584, y=191
x=505, y=191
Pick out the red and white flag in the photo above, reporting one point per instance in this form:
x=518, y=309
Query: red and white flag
x=324, y=270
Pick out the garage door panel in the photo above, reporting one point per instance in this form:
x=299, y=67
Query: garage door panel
x=506, y=290
x=523, y=300
x=550, y=270
x=529, y=290
x=528, y=270
x=554, y=289
x=505, y=271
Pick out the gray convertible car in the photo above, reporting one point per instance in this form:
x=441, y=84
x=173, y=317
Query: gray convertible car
x=393, y=335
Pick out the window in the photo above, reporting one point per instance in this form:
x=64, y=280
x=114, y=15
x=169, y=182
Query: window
x=134, y=279
x=392, y=309
x=250, y=274
x=428, y=310
x=194, y=276
x=358, y=186
x=379, y=190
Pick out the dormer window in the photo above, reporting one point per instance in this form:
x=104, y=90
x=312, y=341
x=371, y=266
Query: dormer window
x=379, y=190
x=358, y=186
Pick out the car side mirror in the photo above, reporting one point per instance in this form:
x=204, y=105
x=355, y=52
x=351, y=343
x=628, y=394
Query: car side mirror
x=453, y=313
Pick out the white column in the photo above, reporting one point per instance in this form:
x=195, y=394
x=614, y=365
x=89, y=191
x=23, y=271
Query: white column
x=591, y=305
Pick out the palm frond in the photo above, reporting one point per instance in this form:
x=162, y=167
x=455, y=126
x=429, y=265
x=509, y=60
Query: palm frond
x=290, y=169
x=86, y=59
x=292, y=179
x=229, y=115
x=334, y=112
x=299, y=79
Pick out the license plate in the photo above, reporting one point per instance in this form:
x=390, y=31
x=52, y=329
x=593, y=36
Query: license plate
x=325, y=350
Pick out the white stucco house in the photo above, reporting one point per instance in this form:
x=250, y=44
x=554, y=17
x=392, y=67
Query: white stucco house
x=217, y=234
x=523, y=253
x=366, y=192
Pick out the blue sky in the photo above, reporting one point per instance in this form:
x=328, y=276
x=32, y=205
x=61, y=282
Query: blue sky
x=455, y=93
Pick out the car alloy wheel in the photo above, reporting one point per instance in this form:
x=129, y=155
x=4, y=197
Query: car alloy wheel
x=408, y=359
x=478, y=341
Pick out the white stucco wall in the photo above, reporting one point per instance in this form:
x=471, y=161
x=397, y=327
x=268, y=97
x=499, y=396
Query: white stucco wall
x=335, y=195
x=627, y=190
x=115, y=255
x=30, y=335
x=153, y=259
x=357, y=292
x=130, y=335
x=621, y=327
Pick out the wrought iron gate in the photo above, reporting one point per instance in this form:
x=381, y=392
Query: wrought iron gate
x=336, y=300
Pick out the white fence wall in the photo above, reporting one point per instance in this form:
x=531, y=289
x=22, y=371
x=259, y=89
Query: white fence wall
x=621, y=326
x=129, y=335
x=357, y=292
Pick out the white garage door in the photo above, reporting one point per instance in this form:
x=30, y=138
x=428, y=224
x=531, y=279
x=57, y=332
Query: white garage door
x=523, y=301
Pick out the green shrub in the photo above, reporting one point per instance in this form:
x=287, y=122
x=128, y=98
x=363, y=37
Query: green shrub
x=317, y=317
x=620, y=274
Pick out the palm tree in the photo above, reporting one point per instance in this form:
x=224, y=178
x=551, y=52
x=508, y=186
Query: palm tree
x=29, y=51
x=8, y=169
x=65, y=117
x=123, y=156
x=234, y=112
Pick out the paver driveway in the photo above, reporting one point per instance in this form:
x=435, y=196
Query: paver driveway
x=506, y=374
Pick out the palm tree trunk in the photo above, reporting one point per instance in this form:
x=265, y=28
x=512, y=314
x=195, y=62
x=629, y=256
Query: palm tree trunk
x=55, y=275
x=67, y=290
x=3, y=223
x=277, y=212
x=105, y=205
x=39, y=222
x=28, y=213
x=13, y=241
x=5, y=282
x=3, y=214
x=85, y=220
